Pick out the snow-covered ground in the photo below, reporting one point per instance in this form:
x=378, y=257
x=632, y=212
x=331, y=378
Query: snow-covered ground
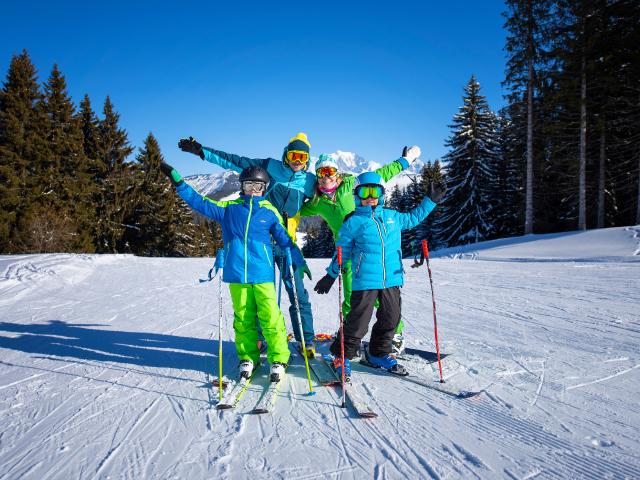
x=106, y=364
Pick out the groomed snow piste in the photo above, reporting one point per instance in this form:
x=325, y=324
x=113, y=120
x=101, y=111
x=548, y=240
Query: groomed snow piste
x=106, y=366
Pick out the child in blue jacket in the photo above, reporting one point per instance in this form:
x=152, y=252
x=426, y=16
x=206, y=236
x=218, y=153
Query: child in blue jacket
x=248, y=225
x=370, y=238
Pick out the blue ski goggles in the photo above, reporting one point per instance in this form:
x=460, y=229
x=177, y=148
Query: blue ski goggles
x=369, y=191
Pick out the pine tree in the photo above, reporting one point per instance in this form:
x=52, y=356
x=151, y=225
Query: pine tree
x=90, y=125
x=20, y=140
x=149, y=214
x=508, y=183
x=527, y=23
x=207, y=239
x=590, y=153
x=431, y=173
x=114, y=181
x=62, y=176
x=318, y=241
x=467, y=208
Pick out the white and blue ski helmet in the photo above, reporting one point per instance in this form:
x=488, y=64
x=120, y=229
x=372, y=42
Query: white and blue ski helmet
x=325, y=160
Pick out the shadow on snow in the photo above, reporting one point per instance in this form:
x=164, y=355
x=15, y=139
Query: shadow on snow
x=61, y=339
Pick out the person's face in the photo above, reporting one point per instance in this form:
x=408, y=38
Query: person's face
x=253, y=188
x=297, y=160
x=296, y=167
x=327, y=182
x=369, y=195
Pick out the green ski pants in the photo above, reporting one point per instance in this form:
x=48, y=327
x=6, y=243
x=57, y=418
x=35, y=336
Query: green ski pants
x=249, y=301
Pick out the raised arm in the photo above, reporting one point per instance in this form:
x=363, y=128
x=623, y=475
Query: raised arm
x=415, y=216
x=231, y=161
x=225, y=160
x=201, y=204
x=392, y=169
x=207, y=207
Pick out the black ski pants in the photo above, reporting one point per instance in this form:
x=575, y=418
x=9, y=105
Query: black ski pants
x=357, y=322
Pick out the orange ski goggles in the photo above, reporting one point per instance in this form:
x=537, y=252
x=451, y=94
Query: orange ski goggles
x=295, y=156
x=326, y=172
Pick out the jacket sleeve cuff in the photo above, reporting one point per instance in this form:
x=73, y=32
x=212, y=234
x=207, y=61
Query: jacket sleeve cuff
x=331, y=272
x=404, y=162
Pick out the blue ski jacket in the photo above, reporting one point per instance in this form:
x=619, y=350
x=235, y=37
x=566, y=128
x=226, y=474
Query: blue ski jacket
x=248, y=224
x=287, y=189
x=370, y=238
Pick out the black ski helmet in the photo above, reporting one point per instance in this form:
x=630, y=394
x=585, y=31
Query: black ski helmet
x=255, y=174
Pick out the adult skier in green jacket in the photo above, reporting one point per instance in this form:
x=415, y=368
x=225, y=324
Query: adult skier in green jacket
x=334, y=200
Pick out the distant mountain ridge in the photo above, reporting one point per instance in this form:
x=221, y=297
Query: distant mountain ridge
x=225, y=185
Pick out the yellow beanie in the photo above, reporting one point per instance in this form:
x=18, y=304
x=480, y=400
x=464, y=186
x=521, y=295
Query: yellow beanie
x=299, y=143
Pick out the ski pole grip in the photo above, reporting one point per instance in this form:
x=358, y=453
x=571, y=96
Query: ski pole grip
x=288, y=254
x=340, y=257
x=425, y=249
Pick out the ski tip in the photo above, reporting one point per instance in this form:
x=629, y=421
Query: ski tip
x=368, y=414
x=467, y=394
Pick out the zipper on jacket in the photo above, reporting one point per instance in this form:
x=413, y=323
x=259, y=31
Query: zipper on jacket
x=384, y=270
x=359, y=262
x=246, y=234
x=266, y=254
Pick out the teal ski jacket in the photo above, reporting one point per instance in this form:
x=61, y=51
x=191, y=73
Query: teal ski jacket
x=248, y=224
x=287, y=189
x=370, y=238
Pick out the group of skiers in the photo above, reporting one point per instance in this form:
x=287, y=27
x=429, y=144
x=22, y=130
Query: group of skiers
x=260, y=226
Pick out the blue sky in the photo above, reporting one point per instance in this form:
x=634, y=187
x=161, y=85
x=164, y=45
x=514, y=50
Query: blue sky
x=244, y=78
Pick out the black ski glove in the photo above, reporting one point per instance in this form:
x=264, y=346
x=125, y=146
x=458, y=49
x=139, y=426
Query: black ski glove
x=324, y=284
x=437, y=191
x=174, y=177
x=189, y=145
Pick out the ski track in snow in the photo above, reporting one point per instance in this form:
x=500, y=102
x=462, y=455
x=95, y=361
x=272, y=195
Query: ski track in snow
x=108, y=362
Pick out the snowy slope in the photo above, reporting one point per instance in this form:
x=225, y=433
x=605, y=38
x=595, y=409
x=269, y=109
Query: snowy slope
x=106, y=364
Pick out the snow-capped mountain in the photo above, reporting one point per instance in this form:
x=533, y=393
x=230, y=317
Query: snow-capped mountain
x=225, y=185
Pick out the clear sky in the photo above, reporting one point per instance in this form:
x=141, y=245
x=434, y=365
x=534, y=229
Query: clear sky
x=244, y=77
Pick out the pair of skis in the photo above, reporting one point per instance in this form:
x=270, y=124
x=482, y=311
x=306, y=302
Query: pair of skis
x=353, y=390
x=267, y=400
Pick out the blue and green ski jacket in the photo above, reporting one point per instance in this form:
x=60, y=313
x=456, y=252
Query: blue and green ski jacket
x=248, y=224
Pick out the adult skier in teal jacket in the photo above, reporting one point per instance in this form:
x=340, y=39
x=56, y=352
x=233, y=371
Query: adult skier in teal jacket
x=290, y=185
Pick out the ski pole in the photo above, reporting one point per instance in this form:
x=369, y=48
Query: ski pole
x=425, y=251
x=342, y=379
x=297, y=305
x=280, y=267
x=220, y=263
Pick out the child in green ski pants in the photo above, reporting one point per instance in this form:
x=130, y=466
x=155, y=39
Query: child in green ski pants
x=248, y=225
